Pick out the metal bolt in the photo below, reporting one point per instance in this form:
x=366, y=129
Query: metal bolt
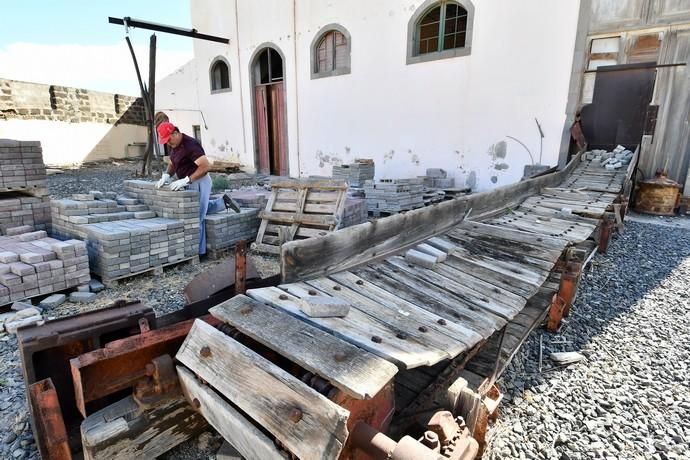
x=246, y=310
x=423, y=329
x=196, y=404
x=339, y=357
x=283, y=297
x=441, y=321
x=430, y=439
x=312, y=292
x=376, y=339
x=360, y=282
x=401, y=336
x=150, y=369
x=205, y=352
x=295, y=415
x=336, y=288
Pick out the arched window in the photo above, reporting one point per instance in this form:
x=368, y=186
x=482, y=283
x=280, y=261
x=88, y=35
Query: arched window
x=331, y=52
x=220, y=75
x=440, y=29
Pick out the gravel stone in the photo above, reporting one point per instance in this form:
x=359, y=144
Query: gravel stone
x=629, y=399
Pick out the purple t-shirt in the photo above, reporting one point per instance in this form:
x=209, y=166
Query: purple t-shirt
x=184, y=155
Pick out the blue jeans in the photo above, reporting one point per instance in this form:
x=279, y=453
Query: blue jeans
x=206, y=206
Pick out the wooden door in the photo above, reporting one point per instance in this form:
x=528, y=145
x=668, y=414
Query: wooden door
x=280, y=126
x=262, y=142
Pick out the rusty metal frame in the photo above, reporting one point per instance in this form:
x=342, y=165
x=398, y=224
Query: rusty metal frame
x=49, y=426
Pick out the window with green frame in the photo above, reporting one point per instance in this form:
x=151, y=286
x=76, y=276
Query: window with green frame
x=443, y=27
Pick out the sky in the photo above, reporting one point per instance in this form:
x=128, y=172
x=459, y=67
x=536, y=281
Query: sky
x=71, y=43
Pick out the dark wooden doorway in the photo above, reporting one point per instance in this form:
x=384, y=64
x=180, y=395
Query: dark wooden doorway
x=620, y=112
x=269, y=110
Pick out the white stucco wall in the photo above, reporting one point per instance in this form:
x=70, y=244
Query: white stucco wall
x=66, y=144
x=453, y=114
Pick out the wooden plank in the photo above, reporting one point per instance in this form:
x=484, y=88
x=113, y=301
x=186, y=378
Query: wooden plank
x=354, y=371
x=372, y=241
x=505, y=253
x=357, y=328
x=478, y=241
x=264, y=223
x=124, y=430
x=244, y=377
x=299, y=206
x=361, y=287
x=499, y=279
x=516, y=235
x=288, y=218
x=402, y=321
x=266, y=248
x=233, y=426
x=472, y=290
x=428, y=296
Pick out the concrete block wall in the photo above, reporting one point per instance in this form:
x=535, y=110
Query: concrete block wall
x=32, y=264
x=34, y=101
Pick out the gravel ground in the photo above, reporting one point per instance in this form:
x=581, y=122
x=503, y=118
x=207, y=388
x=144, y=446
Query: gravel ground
x=103, y=176
x=630, y=397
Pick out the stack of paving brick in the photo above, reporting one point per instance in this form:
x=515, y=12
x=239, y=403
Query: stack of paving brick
x=355, y=174
x=123, y=235
x=355, y=212
x=32, y=264
x=437, y=178
x=390, y=196
x=23, y=186
x=225, y=229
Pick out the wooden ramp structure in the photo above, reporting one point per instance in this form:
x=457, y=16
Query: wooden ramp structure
x=440, y=299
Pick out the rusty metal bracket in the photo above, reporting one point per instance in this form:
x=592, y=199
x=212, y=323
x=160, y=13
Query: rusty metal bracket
x=241, y=267
x=121, y=364
x=160, y=383
x=49, y=426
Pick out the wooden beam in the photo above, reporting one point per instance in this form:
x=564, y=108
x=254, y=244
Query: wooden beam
x=354, y=246
x=307, y=423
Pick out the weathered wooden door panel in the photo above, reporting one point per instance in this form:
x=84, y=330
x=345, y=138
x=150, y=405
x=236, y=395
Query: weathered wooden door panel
x=281, y=146
x=260, y=99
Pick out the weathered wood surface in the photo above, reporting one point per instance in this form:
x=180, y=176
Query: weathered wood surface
x=349, y=368
x=358, y=328
x=125, y=431
x=348, y=248
x=266, y=393
x=233, y=426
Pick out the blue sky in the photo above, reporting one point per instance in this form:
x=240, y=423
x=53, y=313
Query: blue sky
x=70, y=42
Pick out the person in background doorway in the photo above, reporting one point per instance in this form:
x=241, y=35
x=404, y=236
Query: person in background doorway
x=189, y=163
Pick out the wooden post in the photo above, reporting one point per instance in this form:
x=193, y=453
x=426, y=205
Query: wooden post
x=241, y=267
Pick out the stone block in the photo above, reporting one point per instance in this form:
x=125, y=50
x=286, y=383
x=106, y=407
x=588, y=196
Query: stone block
x=53, y=301
x=82, y=297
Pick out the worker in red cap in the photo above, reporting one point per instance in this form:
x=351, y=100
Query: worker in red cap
x=189, y=163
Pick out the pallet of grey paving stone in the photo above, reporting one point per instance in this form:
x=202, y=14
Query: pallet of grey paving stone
x=22, y=168
x=225, y=229
x=157, y=270
x=32, y=264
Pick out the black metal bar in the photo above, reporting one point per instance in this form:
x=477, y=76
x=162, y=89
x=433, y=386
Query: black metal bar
x=618, y=68
x=136, y=23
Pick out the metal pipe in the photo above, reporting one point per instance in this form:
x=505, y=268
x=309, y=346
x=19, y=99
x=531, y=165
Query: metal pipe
x=381, y=447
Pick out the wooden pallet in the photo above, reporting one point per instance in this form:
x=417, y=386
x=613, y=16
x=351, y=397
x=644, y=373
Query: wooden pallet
x=298, y=210
x=157, y=270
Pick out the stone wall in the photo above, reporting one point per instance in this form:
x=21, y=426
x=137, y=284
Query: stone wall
x=35, y=101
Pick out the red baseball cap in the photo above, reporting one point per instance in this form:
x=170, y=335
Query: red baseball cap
x=165, y=129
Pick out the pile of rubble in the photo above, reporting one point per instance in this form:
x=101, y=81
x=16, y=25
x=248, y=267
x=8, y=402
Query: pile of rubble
x=615, y=159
